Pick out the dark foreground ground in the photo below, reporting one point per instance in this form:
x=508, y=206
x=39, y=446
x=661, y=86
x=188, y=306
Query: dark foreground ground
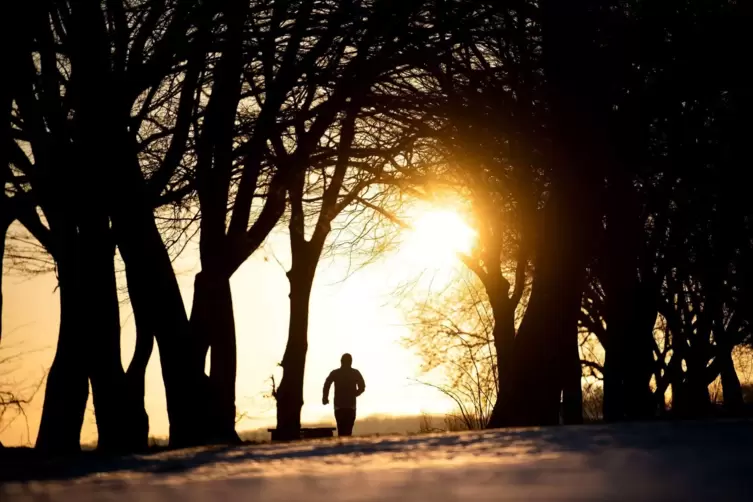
x=691, y=461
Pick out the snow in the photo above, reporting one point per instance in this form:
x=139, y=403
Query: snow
x=649, y=462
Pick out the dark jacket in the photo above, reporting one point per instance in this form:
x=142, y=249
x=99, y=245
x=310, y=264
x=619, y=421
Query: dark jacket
x=349, y=384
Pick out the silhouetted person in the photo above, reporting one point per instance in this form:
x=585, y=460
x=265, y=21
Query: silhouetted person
x=349, y=385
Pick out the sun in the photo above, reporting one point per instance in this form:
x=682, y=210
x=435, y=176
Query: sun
x=437, y=236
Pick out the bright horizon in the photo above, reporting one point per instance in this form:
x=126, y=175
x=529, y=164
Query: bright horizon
x=353, y=313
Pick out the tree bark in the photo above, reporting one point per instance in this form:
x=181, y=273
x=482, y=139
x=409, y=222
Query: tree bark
x=619, y=278
x=571, y=218
x=731, y=388
x=690, y=391
x=152, y=280
x=572, y=388
x=136, y=380
x=543, y=345
x=630, y=314
x=504, y=339
x=67, y=388
x=115, y=413
x=639, y=351
x=289, y=394
x=213, y=323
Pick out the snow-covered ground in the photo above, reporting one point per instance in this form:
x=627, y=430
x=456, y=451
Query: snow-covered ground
x=656, y=462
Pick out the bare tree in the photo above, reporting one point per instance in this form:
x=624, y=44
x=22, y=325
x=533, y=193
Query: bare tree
x=452, y=332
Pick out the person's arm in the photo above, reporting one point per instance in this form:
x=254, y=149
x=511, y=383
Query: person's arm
x=360, y=383
x=325, y=392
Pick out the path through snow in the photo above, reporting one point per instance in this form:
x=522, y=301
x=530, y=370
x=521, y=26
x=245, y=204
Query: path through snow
x=638, y=462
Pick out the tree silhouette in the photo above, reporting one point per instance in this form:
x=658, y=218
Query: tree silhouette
x=599, y=148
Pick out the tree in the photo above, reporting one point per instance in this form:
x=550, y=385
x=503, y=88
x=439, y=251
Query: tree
x=76, y=111
x=452, y=332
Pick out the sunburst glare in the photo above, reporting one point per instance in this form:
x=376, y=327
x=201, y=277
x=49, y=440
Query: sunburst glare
x=437, y=237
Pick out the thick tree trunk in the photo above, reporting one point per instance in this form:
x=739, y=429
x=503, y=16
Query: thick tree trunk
x=690, y=400
x=639, y=352
x=213, y=323
x=67, y=387
x=571, y=218
x=504, y=339
x=614, y=400
x=630, y=353
x=115, y=412
x=619, y=278
x=152, y=285
x=290, y=391
x=690, y=391
x=572, y=388
x=543, y=348
x=731, y=389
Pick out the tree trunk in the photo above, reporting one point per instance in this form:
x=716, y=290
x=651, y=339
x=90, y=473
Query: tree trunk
x=504, y=339
x=543, y=346
x=619, y=278
x=614, y=399
x=114, y=410
x=571, y=218
x=151, y=278
x=213, y=323
x=572, y=389
x=67, y=387
x=639, y=351
x=690, y=392
x=290, y=391
x=136, y=384
x=731, y=389
x=136, y=373
x=630, y=352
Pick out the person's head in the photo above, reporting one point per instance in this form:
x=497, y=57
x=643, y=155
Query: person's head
x=346, y=361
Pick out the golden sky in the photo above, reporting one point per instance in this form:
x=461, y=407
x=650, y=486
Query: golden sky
x=354, y=313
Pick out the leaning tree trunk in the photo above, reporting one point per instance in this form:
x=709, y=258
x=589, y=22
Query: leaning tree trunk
x=213, y=323
x=504, y=339
x=67, y=387
x=136, y=382
x=289, y=394
x=731, y=388
x=114, y=411
x=153, y=281
x=136, y=373
x=152, y=286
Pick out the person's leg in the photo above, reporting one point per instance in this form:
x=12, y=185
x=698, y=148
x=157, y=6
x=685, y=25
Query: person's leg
x=349, y=418
x=339, y=419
